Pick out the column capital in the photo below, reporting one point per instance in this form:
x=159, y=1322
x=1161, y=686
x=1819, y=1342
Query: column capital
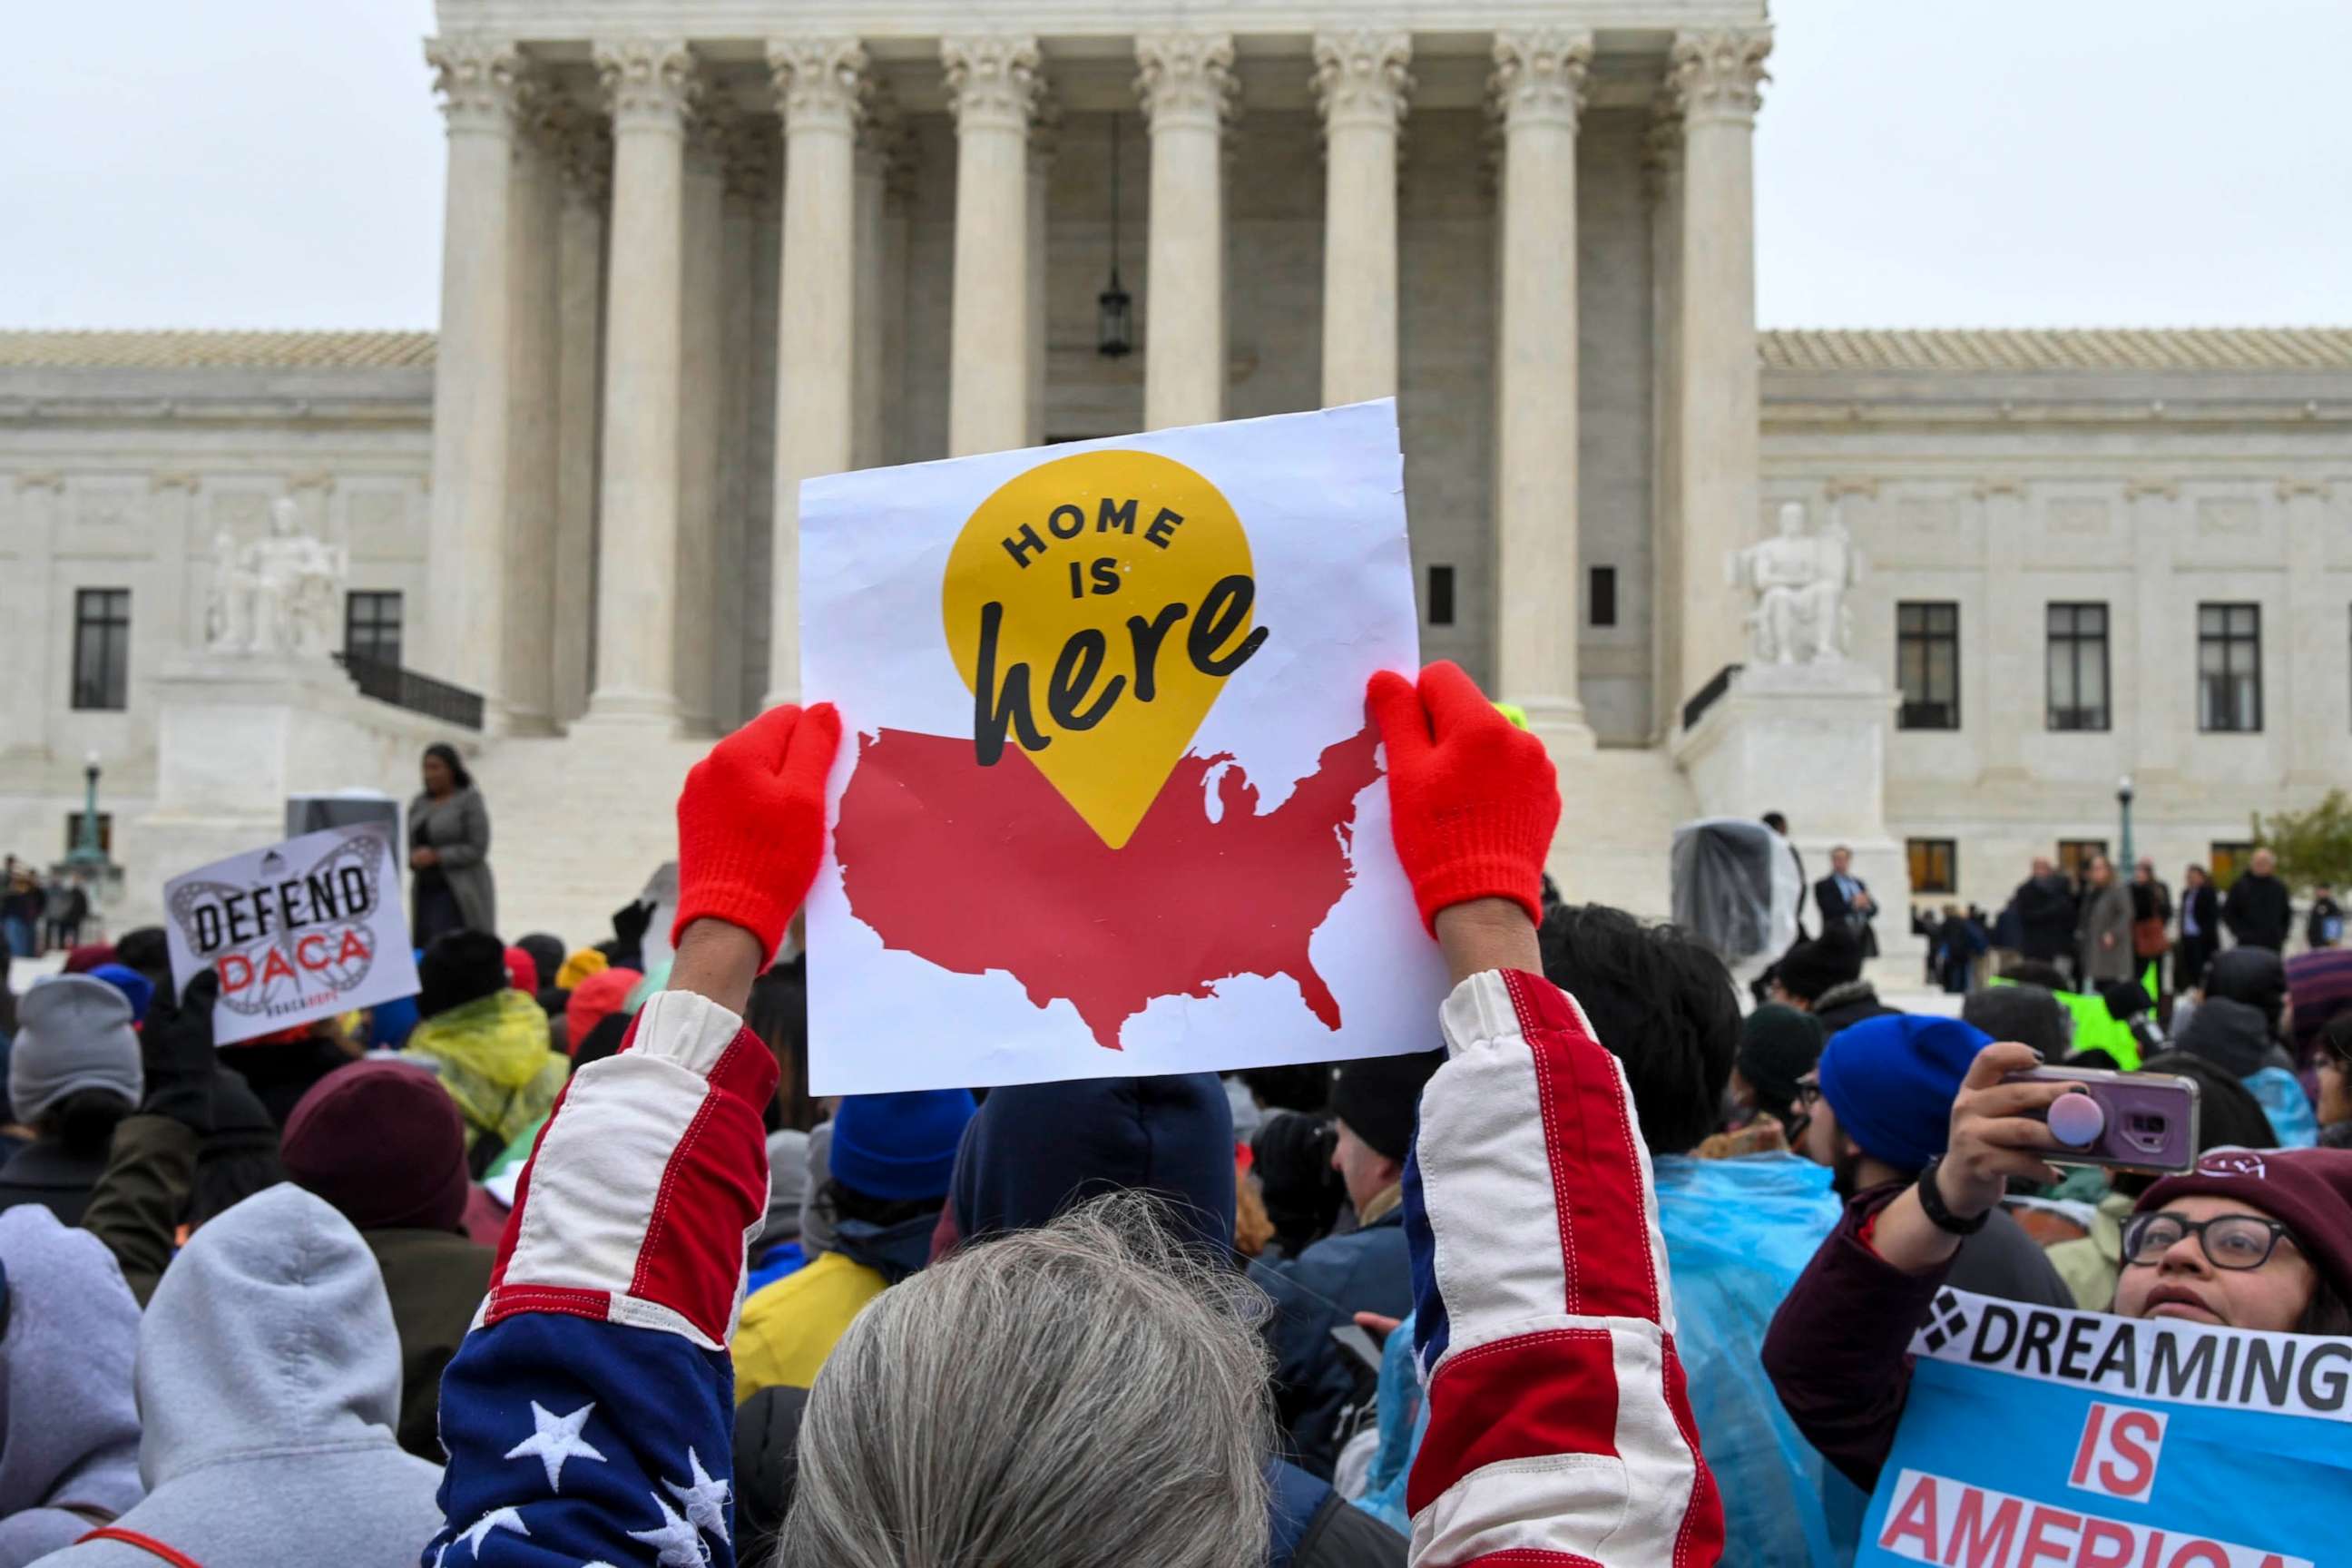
x=1186, y=78
x=993, y=80
x=484, y=83
x=1718, y=74
x=1363, y=76
x=1662, y=145
x=749, y=159
x=1045, y=133
x=823, y=81
x=650, y=83
x=584, y=148
x=709, y=126
x=1538, y=77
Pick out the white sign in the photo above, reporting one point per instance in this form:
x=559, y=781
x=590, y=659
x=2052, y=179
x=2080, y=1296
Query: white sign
x=1108, y=801
x=303, y=929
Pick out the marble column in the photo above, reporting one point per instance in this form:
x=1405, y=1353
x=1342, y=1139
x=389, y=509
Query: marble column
x=1539, y=92
x=652, y=86
x=749, y=215
x=485, y=85
x=1661, y=183
x=1716, y=78
x=1361, y=83
x=534, y=334
x=702, y=353
x=1187, y=86
x=878, y=145
x=2308, y=702
x=822, y=86
x=1044, y=141
x=994, y=82
x=580, y=374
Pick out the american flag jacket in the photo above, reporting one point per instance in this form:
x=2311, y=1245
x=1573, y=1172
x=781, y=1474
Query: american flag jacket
x=589, y=1416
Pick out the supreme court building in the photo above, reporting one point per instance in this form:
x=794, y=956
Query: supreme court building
x=699, y=250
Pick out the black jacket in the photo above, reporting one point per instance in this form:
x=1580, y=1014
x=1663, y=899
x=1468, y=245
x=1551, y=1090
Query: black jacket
x=2045, y=916
x=1317, y=1386
x=1835, y=912
x=2257, y=912
x=46, y=1173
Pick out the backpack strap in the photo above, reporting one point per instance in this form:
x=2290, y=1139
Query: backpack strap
x=143, y=1542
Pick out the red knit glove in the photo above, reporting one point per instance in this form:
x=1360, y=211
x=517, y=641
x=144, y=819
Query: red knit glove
x=1473, y=797
x=750, y=823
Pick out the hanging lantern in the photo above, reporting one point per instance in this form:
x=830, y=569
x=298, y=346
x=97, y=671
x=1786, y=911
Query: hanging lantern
x=1114, y=307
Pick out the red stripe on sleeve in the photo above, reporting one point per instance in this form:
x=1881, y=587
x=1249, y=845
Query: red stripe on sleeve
x=714, y=1186
x=1596, y=1166
x=1541, y=1393
x=1700, y=1540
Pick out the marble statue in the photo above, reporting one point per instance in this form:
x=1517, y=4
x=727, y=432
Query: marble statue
x=279, y=595
x=1799, y=581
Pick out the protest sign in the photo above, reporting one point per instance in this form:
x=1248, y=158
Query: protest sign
x=1108, y=801
x=2082, y=1440
x=303, y=929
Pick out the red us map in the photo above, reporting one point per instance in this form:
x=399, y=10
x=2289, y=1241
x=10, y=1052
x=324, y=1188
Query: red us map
x=978, y=868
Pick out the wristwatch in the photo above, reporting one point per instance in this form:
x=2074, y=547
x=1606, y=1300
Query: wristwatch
x=1931, y=1203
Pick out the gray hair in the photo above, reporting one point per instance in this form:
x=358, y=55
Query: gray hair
x=1091, y=1393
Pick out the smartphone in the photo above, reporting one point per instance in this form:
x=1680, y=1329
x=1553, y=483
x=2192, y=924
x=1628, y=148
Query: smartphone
x=2124, y=1121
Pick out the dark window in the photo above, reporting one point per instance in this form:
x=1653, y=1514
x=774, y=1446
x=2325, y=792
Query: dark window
x=2229, y=857
x=372, y=626
x=1441, y=595
x=105, y=831
x=2230, y=668
x=2075, y=855
x=1602, y=595
x=1927, y=664
x=1935, y=865
x=101, y=666
x=2078, y=666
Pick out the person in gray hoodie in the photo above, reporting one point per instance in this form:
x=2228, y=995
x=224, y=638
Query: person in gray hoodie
x=269, y=1375
x=68, y=1429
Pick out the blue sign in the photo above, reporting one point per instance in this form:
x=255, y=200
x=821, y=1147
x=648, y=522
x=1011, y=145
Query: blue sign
x=2039, y=1438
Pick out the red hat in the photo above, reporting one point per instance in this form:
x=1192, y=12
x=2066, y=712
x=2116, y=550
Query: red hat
x=523, y=971
x=2309, y=1191
x=594, y=999
x=382, y=1141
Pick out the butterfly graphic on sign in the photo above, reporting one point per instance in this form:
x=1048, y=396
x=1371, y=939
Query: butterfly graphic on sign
x=295, y=934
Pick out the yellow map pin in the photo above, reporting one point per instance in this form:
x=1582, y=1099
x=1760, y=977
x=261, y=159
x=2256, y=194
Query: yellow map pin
x=1095, y=606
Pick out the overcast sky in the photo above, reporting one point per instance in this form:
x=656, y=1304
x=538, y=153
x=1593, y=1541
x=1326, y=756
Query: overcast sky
x=2023, y=163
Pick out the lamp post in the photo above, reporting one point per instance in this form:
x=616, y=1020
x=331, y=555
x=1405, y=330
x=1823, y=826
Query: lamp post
x=1114, y=307
x=2123, y=800
x=86, y=858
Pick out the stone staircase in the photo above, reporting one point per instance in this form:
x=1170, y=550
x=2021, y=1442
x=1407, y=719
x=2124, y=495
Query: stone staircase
x=579, y=824
x=1619, y=808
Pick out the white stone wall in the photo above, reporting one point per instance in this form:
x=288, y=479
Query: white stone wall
x=121, y=479
x=2151, y=494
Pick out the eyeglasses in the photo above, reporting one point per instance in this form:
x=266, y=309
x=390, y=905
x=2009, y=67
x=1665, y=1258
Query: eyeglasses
x=1809, y=1092
x=2236, y=1241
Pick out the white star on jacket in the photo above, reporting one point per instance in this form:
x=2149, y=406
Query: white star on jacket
x=557, y=1439
x=679, y=1543
x=705, y=1498
x=475, y=1534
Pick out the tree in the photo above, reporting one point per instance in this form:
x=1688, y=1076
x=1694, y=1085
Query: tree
x=2313, y=847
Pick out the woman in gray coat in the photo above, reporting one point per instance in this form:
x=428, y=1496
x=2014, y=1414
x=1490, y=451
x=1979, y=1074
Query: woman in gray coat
x=2104, y=933
x=450, y=849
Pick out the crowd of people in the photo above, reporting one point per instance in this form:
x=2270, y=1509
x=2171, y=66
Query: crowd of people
x=560, y=1261
x=40, y=913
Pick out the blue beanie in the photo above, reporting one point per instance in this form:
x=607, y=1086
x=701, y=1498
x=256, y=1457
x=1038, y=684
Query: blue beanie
x=1891, y=1082
x=900, y=1146
x=132, y=984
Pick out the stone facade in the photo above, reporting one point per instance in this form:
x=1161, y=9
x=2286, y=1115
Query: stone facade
x=685, y=267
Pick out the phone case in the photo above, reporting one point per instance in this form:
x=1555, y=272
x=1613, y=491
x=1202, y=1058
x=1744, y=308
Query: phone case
x=2144, y=1122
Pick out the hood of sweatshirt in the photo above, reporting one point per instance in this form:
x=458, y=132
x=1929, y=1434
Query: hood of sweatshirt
x=2233, y=1035
x=1037, y=1149
x=270, y=1333
x=70, y=1433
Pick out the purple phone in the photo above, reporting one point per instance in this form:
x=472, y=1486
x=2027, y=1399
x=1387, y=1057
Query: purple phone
x=2125, y=1121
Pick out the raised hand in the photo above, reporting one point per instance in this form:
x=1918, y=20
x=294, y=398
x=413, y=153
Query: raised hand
x=751, y=824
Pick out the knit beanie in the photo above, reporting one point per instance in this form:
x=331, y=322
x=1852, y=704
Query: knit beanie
x=900, y=1146
x=523, y=971
x=2230, y=1034
x=73, y=1032
x=461, y=967
x=2321, y=986
x=390, y=1023
x=2029, y=1014
x=86, y=957
x=1812, y=967
x=135, y=987
x=1380, y=1097
x=1891, y=1082
x=2309, y=1191
x=1777, y=1046
x=595, y=998
x=582, y=962
x=2254, y=975
x=382, y=1142
x=546, y=955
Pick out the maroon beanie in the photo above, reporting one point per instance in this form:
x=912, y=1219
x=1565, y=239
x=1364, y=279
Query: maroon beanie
x=2309, y=1191
x=382, y=1141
